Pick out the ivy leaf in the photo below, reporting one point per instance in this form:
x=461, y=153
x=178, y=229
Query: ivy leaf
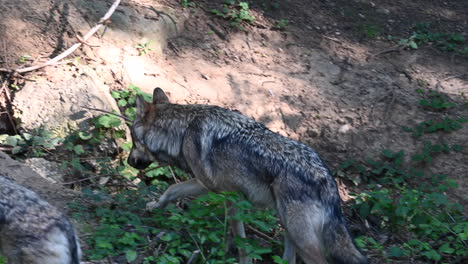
x=131, y=255
x=85, y=135
x=78, y=149
x=396, y=252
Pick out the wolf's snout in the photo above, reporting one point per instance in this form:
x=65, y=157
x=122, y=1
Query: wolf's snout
x=138, y=163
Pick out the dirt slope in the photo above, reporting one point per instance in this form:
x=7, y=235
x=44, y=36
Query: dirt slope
x=331, y=78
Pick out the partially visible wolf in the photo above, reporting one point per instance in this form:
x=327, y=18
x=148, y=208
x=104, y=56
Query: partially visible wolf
x=32, y=231
x=227, y=151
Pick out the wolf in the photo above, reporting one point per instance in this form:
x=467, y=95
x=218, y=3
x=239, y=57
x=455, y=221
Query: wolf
x=227, y=151
x=32, y=231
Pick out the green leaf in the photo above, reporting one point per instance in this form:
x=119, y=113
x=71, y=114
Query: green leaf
x=244, y=5
x=431, y=254
x=78, y=149
x=130, y=112
x=16, y=150
x=457, y=148
x=364, y=210
x=396, y=252
x=12, y=141
x=122, y=102
x=131, y=255
x=413, y=44
x=85, y=135
x=103, y=243
x=109, y=121
x=27, y=136
x=115, y=94
x=127, y=146
x=445, y=248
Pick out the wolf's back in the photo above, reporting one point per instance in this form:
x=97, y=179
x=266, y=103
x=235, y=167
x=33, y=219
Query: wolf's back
x=32, y=231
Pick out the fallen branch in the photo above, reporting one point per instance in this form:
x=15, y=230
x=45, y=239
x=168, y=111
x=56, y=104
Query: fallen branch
x=396, y=48
x=7, y=105
x=70, y=50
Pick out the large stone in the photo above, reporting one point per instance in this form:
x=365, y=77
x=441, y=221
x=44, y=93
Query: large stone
x=58, y=106
x=53, y=193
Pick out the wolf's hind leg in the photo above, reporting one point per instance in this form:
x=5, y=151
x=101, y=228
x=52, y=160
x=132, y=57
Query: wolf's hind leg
x=238, y=229
x=180, y=190
x=289, y=253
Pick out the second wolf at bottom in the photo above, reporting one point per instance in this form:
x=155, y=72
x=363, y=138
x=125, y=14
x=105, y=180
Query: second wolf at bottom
x=32, y=231
x=226, y=151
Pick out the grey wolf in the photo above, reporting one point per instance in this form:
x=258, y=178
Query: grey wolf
x=226, y=151
x=32, y=231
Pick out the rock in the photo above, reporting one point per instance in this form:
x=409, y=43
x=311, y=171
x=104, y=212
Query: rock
x=344, y=129
x=383, y=11
x=22, y=174
x=57, y=106
x=48, y=170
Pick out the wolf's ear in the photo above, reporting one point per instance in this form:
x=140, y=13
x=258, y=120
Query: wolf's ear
x=159, y=97
x=141, y=106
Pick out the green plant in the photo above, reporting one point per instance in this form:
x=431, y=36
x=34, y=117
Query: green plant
x=187, y=3
x=436, y=101
x=36, y=144
x=409, y=42
x=371, y=31
x=126, y=99
x=144, y=48
x=410, y=201
x=24, y=58
x=446, y=125
x=174, y=233
x=235, y=11
x=444, y=41
x=281, y=24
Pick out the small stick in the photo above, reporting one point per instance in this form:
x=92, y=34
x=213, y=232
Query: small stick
x=261, y=234
x=173, y=174
x=108, y=112
x=8, y=102
x=80, y=180
x=193, y=256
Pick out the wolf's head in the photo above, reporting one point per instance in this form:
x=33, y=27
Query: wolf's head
x=140, y=157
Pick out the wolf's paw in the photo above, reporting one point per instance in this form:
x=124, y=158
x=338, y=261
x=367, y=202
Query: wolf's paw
x=152, y=205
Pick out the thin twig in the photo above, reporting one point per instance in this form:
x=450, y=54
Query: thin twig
x=217, y=31
x=108, y=112
x=454, y=76
x=80, y=180
x=395, y=48
x=69, y=51
x=193, y=256
x=197, y=245
x=332, y=39
x=8, y=148
x=261, y=234
x=173, y=174
x=8, y=102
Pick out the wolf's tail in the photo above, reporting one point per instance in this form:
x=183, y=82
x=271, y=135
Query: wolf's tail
x=319, y=233
x=73, y=244
x=339, y=245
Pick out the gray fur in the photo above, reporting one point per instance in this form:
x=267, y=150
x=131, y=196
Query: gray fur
x=227, y=151
x=32, y=231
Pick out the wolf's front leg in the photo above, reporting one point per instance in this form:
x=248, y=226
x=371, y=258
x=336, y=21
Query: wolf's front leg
x=180, y=190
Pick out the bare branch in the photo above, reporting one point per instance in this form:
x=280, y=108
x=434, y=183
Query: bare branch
x=69, y=51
